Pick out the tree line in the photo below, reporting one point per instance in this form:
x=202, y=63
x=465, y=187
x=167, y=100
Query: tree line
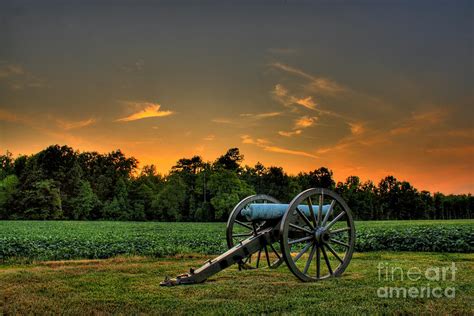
x=61, y=183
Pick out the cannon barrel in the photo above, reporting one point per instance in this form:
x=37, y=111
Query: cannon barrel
x=265, y=211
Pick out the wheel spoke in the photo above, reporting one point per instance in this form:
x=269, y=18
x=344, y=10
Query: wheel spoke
x=248, y=259
x=306, y=220
x=338, y=217
x=298, y=256
x=320, y=210
x=333, y=252
x=340, y=230
x=255, y=228
x=308, y=263
x=318, y=263
x=340, y=243
x=326, y=259
x=244, y=225
x=276, y=252
x=311, y=212
x=326, y=217
x=258, y=257
x=301, y=228
x=267, y=256
x=300, y=240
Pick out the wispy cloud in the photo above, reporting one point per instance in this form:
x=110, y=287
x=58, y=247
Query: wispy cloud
x=148, y=110
x=361, y=134
x=259, y=116
x=289, y=151
x=305, y=121
x=8, y=70
x=290, y=134
x=44, y=125
x=69, y=125
x=292, y=70
x=321, y=84
x=209, y=138
x=267, y=146
x=16, y=77
x=136, y=66
x=221, y=120
x=307, y=103
x=300, y=124
x=280, y=90
x=283, y=96
x=462, y=132
x=419, y=121
x=31, y=121
x=357, y=128
x=7, y=116
x=246, y=139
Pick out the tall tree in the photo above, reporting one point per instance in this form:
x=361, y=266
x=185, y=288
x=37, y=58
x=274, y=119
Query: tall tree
x=226, y=190
x=8, y=189
x=84, y=202
x=42, y=201
x=168, y=204
x=230, y=160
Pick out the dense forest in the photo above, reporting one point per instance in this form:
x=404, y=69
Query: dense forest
x=61, y=183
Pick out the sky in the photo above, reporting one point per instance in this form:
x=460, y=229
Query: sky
x=366, y=88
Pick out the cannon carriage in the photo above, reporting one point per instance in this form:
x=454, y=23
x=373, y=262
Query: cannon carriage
x=314, y=235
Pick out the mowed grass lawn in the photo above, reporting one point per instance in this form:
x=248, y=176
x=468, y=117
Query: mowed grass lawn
x=130, y=285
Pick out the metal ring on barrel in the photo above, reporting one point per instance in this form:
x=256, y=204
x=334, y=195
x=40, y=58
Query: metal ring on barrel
x=328, y=234
x=251, y=228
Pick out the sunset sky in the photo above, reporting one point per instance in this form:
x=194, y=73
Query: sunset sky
x=367, y=89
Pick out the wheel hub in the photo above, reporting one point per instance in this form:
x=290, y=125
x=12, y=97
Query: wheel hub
x=322, y=235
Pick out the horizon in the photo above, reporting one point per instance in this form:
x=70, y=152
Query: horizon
x=369, y=89
x=243, y=164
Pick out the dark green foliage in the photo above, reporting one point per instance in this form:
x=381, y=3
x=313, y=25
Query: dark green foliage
x=170, y=201
x=84, y=202
x=319, y=178
x=8, y=190
x=230, y=160
x=227, y=190
x=42, y=201
x=60, y=183
x=7, y=165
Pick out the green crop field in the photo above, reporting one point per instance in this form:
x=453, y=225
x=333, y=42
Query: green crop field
x=59, y=240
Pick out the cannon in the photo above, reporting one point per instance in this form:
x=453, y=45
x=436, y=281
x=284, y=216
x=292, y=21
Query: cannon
x=314, y=235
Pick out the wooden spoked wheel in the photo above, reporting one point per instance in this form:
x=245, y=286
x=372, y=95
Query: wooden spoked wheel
x=318, y=246
x=239, y=229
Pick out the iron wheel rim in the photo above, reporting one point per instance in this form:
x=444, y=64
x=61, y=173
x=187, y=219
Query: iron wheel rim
x=321, y=245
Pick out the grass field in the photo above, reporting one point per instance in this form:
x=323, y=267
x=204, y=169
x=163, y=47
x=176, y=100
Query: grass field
x=59, y=240
x=130, y=285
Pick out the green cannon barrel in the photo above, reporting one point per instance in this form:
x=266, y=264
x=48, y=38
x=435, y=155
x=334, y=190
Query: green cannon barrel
x=265, y=211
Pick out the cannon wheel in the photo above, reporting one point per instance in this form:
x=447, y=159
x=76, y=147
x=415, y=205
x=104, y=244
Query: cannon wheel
x=328, y=238
x=249, y=228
